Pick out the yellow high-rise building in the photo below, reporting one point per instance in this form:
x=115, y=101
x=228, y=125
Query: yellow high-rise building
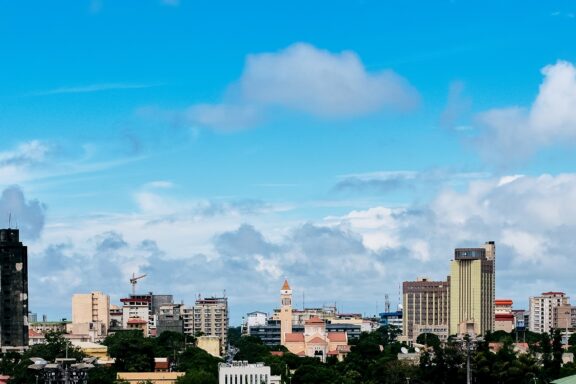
x=472, y=290
x=285, y=311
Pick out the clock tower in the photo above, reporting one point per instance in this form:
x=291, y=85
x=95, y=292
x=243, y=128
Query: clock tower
x=285, y=311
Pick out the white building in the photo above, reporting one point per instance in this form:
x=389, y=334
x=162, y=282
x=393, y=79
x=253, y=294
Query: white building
x=257, y=318
x=542, y=314
x=240, y=372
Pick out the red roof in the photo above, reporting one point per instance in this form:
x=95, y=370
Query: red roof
x=337, y=336
x=277, y=353
x=286, y=286
x=294, y=337
x=314, y=320
x=504, y=302
x=161, y=365
x=552, y=293
x=32, y=333
x=317, y=340
x=504, y=317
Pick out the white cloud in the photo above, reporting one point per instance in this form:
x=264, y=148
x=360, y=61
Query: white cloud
x=513, y=134
x=306, y=79
x=356, y=257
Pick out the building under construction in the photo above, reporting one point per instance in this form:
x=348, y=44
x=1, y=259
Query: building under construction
x=13, y=290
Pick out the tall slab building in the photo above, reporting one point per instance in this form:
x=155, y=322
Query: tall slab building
x=13, y=290
x=472, y=290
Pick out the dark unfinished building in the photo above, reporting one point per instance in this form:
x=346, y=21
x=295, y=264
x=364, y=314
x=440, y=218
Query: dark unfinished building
x=13, y=290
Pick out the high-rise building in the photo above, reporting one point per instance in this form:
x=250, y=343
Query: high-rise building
x=472, y=289
x=211, y=319
x=285, y=311
x=542, y=313
x=426, y=308
x=91, y=314
x=13, y=290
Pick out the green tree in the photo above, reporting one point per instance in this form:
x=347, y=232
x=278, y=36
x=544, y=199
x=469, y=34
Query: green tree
x=132, y=351
x=195, y=358
x=168, y=343
x=102, y=375
x=56, y=346
x=251, y=349
x=315, y=374
x=197, y=376
x=428, y=339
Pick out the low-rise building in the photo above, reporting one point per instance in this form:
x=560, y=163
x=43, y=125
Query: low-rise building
x=504, y=318
x=241, y=372
x=152, y=377
x=210, y=344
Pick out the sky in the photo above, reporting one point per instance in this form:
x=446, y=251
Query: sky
x=221, y=146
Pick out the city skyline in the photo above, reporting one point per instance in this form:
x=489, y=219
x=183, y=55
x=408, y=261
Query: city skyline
x=224, y=147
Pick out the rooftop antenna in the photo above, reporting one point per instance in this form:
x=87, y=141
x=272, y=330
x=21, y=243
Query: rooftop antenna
x=10, y=220
x=386, y=303
x=303, y=301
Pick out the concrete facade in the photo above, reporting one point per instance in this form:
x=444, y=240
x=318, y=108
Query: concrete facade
x=504, y=318
x=211, y=319
x=91, y=314
x=542, y=315
x=240, y=372
x=426, y=305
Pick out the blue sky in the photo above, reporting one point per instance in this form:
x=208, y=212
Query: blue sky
x=224, y=146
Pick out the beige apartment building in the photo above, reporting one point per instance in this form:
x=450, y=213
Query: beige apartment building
x=544, y=313
x=472, y=288
x=90, y=314
x=210, y=318
x=426, y=306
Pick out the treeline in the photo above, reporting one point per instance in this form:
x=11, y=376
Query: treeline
x=373, y=359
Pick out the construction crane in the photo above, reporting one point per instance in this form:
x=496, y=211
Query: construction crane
x=133, y=280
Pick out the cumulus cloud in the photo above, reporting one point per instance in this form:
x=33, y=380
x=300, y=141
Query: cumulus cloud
x=530, y=218
x=354, y=258
x=27, y=215
x=307, y=79
x=515, y=133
